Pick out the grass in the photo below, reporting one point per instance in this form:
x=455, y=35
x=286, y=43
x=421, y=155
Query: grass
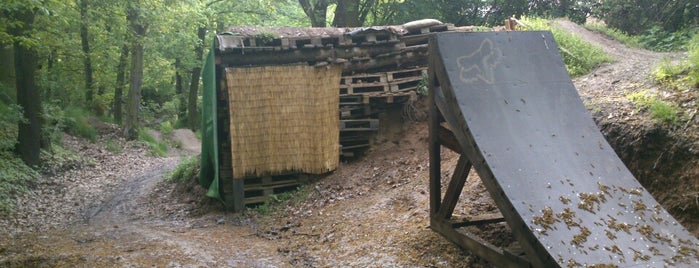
x=15, y=177
x=673, y=75
x=579, y=56
x=113, y=147
x=76, y=124
x=661, y=111
x=185, y=170
x=157, y=148
x=628, y=40
x=273, y=204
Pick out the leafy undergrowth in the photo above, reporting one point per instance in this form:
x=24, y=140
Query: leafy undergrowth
x=579, y=56
x=628, y=40
x=158, y=148
x=185, y=170
x=15, y=177
x=654, y=39
x=661, y=111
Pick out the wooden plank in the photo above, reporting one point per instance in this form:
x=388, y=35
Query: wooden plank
x=359, y=125
x=456, y=184
x=478, y=246
x=479, y=220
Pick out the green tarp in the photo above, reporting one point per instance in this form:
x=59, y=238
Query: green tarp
x=208, y=174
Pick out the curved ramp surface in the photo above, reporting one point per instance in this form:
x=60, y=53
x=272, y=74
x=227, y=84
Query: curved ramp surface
x=569, y=199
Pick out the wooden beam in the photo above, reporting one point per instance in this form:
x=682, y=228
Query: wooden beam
x=477, y=245
x=434, y=150
x=479, y=220
x=456, y=185
x=447, y=139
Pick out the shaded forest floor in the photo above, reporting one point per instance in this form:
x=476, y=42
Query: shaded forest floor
x=116, y=210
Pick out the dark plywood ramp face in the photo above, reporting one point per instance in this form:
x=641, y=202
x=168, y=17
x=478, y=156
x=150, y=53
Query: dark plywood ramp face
x=567, y=196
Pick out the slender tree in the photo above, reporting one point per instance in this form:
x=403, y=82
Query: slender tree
x=120, y=84
x=192, y=113
x=87, y=62
x=316, y=11
x=133, y=102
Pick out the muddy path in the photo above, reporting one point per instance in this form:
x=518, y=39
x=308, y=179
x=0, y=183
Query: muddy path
x=119, y=212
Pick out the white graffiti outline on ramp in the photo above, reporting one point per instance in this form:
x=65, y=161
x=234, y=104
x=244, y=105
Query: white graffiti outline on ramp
x=487, y=57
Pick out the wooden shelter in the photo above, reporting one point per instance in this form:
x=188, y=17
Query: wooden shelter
x=290, y=101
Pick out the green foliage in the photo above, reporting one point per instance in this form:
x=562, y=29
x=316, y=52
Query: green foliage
x=10, y=116
x=422, y=86
x=660, y=111
x=54, y=123
x=635, y=16
x=166, y=128
x=15, y=177
x=694, y=60
x=58, y=159
x=76, y=124
x=157, y=148
x=113, y=147
x=672, y=75
x=579, y=56
x=658, y=39
x=186, y=170
x=628, y=40
x=664, y=112
x=265, y=38
x=275, y=200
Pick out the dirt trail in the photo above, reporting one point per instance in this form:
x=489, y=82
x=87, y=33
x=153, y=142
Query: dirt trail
x=118, y=211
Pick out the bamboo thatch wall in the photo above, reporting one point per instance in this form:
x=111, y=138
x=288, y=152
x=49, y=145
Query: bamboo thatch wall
x=283, y=119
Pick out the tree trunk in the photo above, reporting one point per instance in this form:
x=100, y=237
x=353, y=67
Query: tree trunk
x=192, y=113
x=133, y=101
x=179, y=91
x=89, y=83
x=352, y=13
x=316, y=11
x=120, y=82
x=26, y=59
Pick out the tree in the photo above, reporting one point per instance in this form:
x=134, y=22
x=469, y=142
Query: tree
x=316, y=10
x=29, y=139
x=84, y=40
x=120, y=84
x=352, y=13
x=133, y=102
x=192, y=112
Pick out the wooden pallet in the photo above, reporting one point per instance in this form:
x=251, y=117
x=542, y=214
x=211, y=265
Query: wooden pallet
x=406, y=85
x=310, y=42
x=354, y=111
x=392, y=97
x=371, y=38
x=410, y=74
x=360, y=79
x=260, y=190
x=362, y=89
x=359, y=125
x=432, y=29
x=351, y=100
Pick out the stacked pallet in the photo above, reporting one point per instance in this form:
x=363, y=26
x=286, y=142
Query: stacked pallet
x=363, y=97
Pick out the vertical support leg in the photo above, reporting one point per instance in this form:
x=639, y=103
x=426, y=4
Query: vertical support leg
x=238, y=195
x=434, y=148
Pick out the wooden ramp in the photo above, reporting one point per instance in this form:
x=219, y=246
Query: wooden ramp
x=505, y=102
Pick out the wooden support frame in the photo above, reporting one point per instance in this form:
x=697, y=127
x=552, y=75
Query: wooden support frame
x=441, y=209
